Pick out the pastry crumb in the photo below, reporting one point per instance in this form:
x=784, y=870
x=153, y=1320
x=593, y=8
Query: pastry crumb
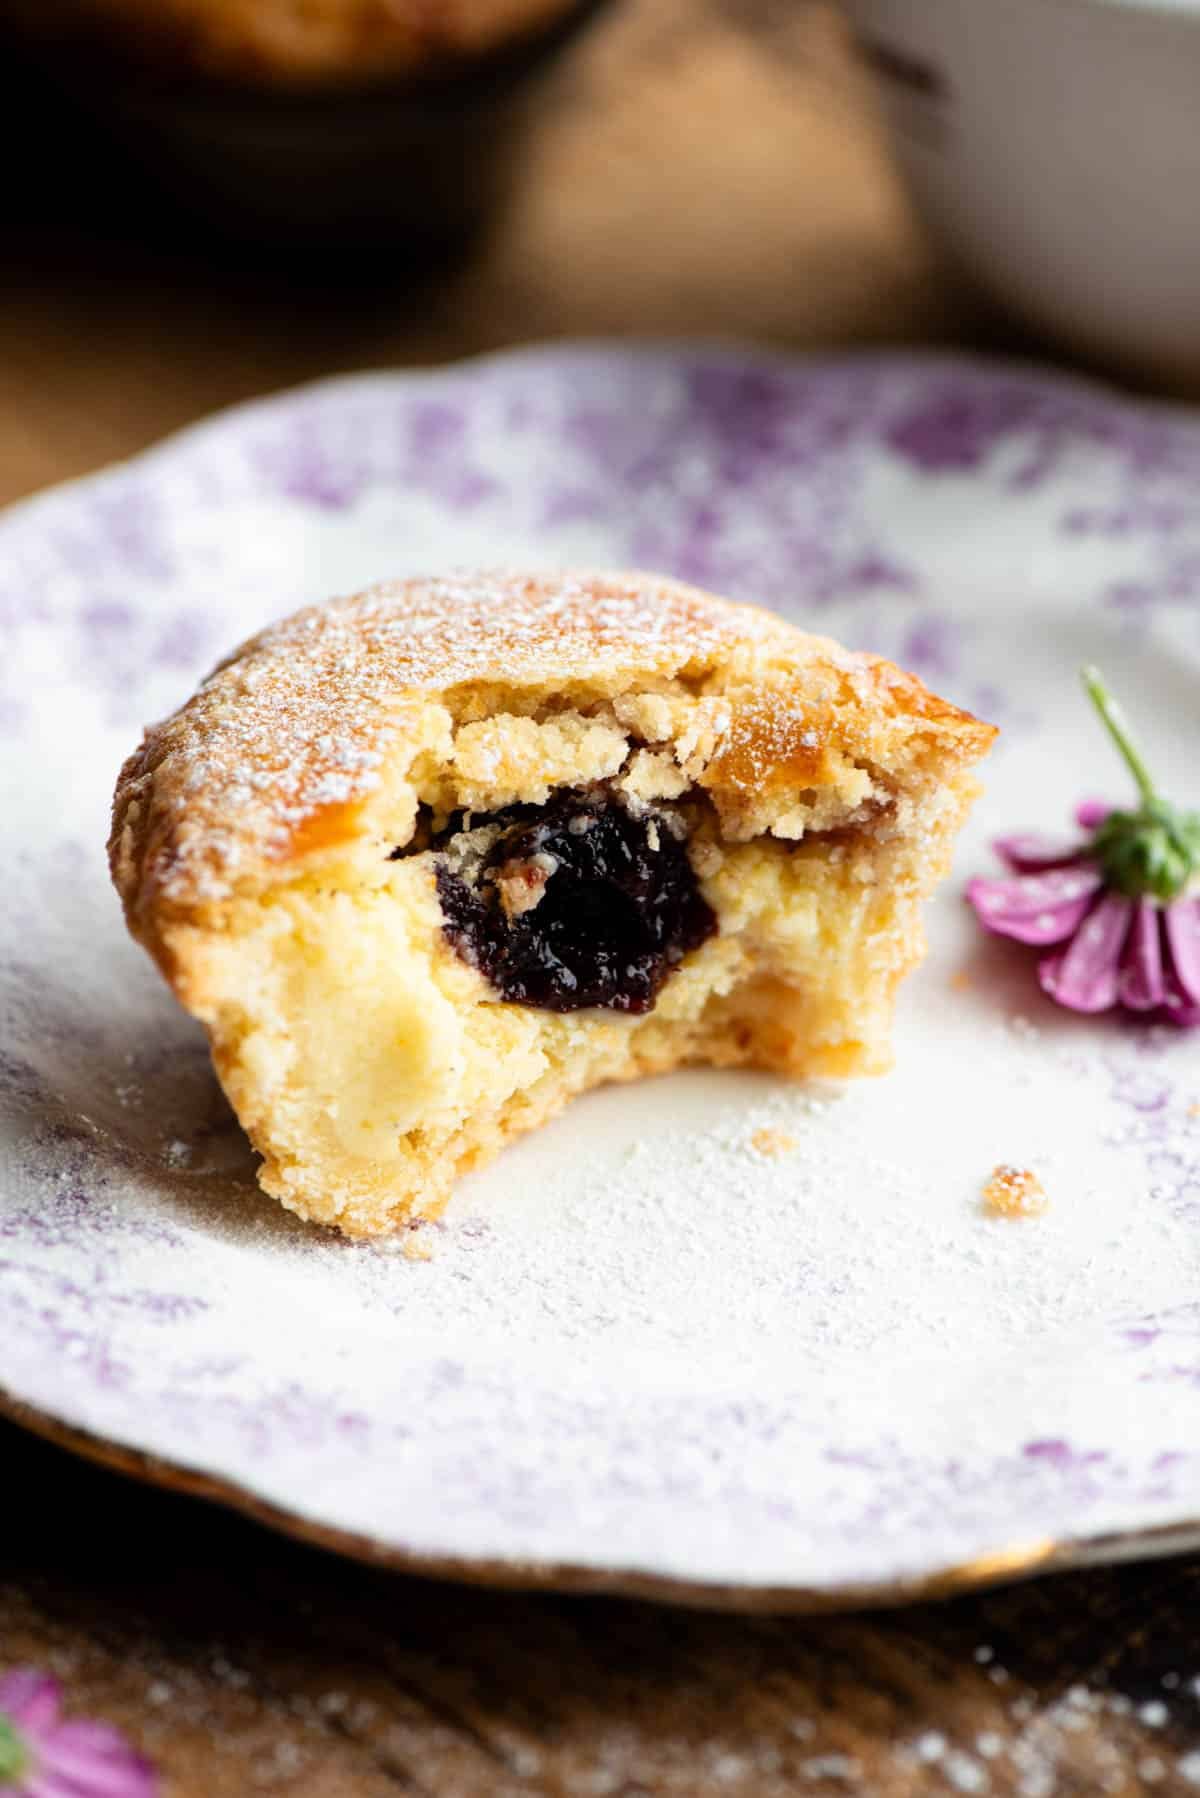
x=1193, y=1109
x=773, y=1143
x=1013, y=1192
x=521, y=883
x=961, y=981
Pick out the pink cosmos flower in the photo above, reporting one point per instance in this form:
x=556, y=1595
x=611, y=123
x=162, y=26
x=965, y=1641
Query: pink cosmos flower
x=1117, y=912
x=41, y=1756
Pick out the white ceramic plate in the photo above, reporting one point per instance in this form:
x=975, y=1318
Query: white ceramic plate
x=639, y=1352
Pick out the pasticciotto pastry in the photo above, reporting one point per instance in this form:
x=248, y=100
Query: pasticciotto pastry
x=428, y=861
x=320, y=45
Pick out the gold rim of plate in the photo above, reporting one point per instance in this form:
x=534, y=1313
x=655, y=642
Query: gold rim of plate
x=1020, y=1561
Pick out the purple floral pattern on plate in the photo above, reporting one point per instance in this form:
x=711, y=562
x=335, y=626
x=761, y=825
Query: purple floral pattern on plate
x=635, y=1345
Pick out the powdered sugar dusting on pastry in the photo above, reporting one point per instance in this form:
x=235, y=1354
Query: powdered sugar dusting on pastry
x=287, y=736
x=297, y=721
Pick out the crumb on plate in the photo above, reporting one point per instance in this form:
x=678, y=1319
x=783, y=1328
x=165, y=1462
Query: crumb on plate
x=1013, y=1192
x=769, y=1141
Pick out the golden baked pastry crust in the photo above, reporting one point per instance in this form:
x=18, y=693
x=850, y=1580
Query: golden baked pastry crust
x=280, y=43
x=257, y=835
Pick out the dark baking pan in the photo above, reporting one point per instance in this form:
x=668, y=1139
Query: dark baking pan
x=410, y=167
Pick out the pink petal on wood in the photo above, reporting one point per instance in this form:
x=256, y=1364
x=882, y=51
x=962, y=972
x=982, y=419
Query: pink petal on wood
x=30, y=1698
x=96, y=1760
x=43, y=1784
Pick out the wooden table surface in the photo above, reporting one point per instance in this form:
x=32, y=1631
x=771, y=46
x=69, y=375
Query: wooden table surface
x=687, y=167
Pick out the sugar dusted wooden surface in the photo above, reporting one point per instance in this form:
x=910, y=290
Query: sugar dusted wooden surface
x=243, y=1664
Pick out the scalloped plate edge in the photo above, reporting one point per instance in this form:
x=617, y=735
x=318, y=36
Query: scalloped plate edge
x=1023, y=1560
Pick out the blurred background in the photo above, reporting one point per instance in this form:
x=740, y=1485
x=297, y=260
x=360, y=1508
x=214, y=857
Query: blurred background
x=195, y=222
x=211, y=199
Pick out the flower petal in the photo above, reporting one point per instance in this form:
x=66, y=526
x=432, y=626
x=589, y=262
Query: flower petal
x=1085, y=976
x=131, y=1777
x=1142, y=986
x=43, y=1783
x=97, y=1760
x=82, y=1736
x=1036, y=908
x=40, y=1784
x=1183, y=940
x=30, y=1698
x=1091, y=812
x=1028, y=851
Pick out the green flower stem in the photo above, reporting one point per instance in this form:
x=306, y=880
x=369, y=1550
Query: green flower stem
x=13, y=1759
x=1117, y=726
x=1151, y=852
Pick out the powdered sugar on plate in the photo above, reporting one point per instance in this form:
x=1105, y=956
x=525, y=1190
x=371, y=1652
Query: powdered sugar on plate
x=711, y=1329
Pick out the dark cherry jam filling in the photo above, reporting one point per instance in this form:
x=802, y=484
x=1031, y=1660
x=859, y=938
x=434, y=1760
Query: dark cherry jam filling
x=606, y=904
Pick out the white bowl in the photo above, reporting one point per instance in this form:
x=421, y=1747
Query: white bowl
x=1055, y=145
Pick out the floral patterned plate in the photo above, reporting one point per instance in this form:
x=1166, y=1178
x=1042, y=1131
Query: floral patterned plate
x=714, y=1337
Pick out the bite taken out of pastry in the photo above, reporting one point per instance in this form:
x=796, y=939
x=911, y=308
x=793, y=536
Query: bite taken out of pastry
x=429, y=861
